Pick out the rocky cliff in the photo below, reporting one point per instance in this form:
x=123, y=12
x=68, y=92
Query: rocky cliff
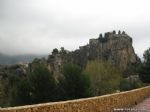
x=114, y=47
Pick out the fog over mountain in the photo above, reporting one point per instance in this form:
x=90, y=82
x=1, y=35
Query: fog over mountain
x=8, y=60
x=38, y=26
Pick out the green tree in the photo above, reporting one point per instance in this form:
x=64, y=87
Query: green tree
x=63, y=51
x=74, y=83
x=38, y=87
x=114, y=32
x=22, y=93
x=146, y=56
x=43, y=85
x=3, y=94
x=145, y=67
x=7, y=89
x=55, y=51
x=104, y=77
x=14, y=84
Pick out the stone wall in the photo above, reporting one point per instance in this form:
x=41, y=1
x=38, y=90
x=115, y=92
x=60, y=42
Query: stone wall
x=104, y=103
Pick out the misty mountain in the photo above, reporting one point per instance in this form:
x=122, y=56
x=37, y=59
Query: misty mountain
x=7, y=60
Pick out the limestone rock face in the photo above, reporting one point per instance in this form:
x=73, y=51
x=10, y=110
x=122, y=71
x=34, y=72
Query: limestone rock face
x=117, y=48
x=114, y=47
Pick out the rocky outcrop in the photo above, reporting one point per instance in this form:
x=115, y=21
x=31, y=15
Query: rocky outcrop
x=114, y=47
x=17, y=69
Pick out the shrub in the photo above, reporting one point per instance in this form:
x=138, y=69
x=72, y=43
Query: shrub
x=104, y=77
x=129, y=84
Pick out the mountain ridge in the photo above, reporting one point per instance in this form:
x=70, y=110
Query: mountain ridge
x=10, y=60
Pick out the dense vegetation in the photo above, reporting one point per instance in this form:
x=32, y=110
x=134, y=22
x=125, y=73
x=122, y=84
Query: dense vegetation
x=97, y=78
x=74, y=83
x=145, y=67
x=41, y=86
x=38, y=87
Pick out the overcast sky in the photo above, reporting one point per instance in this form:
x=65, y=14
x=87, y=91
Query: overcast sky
x=38, y=26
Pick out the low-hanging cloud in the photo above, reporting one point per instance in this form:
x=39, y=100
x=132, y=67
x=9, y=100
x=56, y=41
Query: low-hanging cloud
x=38, y=26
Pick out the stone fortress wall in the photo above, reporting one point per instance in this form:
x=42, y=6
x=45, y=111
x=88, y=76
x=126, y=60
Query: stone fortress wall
x=106, y=103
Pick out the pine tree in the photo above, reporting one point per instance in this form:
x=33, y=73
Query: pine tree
x=145, y=68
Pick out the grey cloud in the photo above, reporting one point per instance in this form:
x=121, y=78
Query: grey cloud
x=25, y=28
